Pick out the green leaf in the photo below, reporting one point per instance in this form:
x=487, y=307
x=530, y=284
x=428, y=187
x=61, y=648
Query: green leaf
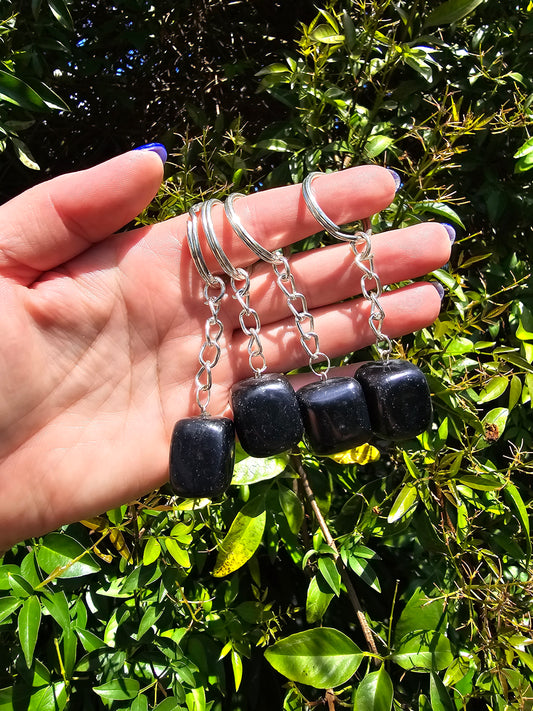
x=61, y=13
x=89, y=640
x=376, y=144
x=152, y=551
x=438, y=208
x=317, y=601
x=420, y=613
x=330, y=572
x=365, y=571
x=375, y=692
x=8, y=605
x=149, y=618
x=493, y=389
x=525, y=157
x=180, y=556
x=236, y=664
x=118, y=690
x=512, y=495
x=406, y=502
x=65, y=557
x=423, y=651
x=29, y=621
x=169, y=704
x=56, y=605
x=322, y=657
x=251, y=470
x=451, y=11
x=292, y=507
x=481, y=482
x=440, y=699
x=326, y=34
x=140, y=703
x=19, y=93
x=242, y=539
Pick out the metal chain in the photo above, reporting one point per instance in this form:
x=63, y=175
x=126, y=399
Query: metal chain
x=365, y=261
x=305, y=323
x=255, y=347
x=210, y=350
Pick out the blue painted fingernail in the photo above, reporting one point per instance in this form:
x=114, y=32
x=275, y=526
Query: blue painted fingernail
x=397, y=180
x=158, y=148
x=440, y=289
x=450, y=230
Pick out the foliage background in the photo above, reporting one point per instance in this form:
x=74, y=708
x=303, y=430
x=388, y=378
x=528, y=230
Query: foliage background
x=411, y=586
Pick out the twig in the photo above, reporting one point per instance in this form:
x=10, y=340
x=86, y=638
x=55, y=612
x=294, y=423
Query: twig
x=365, y=628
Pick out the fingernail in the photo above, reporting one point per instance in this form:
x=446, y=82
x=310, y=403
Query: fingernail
x=440, y=289
x=158, y=148
x=450, y=230
x=397, y=179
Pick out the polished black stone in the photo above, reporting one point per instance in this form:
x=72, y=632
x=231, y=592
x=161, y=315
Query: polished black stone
x=397, y=397
x=266, y=414
x=334, y=414
x=202, y=454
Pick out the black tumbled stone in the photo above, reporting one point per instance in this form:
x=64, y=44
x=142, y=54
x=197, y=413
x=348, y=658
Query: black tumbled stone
x=266, y=415
x=334, y=414
x=202, y=455
x=397, y=396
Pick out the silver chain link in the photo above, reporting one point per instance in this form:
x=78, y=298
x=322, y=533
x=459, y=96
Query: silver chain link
x=214, y=328
x=365, y=261
x=305, y=323
x=255, y=347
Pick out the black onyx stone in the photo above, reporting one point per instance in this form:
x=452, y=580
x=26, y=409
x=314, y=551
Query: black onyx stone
x=397, y=397
x=202, y=455
x=334, y=414
x=266, y=414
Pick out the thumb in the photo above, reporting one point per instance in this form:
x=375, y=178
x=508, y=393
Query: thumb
x=57, y=220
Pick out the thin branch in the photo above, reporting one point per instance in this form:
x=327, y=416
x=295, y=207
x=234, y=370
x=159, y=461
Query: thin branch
x=365, y=628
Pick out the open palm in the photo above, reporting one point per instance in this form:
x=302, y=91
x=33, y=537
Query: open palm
x=101, y=331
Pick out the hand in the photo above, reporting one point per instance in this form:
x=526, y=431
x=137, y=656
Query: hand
x=101, y=331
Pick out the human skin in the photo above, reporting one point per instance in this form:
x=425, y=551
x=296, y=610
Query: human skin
x=101, y=331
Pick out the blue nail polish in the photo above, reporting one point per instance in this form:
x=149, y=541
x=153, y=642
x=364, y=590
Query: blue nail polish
x=158, y=148
x=440, y=289
x=450, y=230
x=397, y=180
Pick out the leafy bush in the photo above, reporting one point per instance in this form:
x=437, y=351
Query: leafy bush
x=386, y=577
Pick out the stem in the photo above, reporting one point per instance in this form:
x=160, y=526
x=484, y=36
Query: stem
x=352, y=595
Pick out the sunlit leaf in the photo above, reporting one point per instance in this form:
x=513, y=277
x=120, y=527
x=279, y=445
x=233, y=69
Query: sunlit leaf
x=63, y=556
x=330, y=572
x=152, y=551
x=243, y=537
x=251, y=470
x=29, y=621
x=118, y=690
x=405, y=503
x=423, y=651
x=321, y=657
x=317, y=601
x=439, y=209
x=375, y=692
x=451, y=11
x=440, y=699
x=326, y=34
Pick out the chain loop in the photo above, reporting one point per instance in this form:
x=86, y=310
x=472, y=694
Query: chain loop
x=301, y=316
x=241, y=294
x=361, y=246
x=365, y=261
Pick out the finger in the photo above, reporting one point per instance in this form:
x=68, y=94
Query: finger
x=329, y=275
x=279, y=217
x=57, y=220
x=342, y=328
